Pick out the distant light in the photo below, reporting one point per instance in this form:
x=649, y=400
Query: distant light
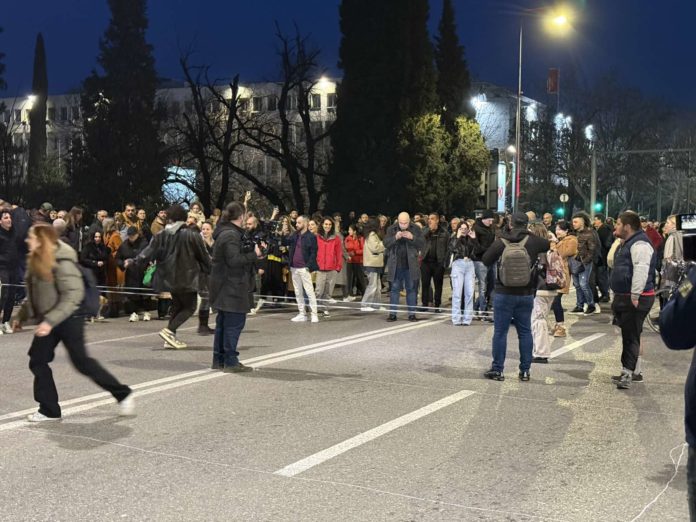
x=31, y=98
x=589, y=133
x=560, y=20
x=478, y=100
x=511, y=149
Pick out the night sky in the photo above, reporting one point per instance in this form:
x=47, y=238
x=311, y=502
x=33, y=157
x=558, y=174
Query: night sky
x=648, y=43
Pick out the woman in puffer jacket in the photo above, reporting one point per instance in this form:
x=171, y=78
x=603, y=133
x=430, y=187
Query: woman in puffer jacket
x=329, y=260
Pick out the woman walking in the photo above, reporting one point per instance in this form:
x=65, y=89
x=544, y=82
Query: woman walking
x=55, y=289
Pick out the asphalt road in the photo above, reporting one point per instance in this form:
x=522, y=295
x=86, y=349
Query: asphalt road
x=350, y=419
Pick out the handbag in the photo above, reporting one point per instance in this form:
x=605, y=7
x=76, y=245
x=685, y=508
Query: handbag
x=576, y=266
x=147, y=277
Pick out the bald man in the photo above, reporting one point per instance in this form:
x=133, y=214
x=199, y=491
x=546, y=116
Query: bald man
x=403, y=242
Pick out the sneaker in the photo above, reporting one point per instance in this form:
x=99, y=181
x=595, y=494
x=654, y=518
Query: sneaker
x=349, y=299
x=133, y=318
x=146, y=316
x=391, y=318
x=259, y=305
x=540, y=360
x=636, y=377
x=382, y=308
x=624, y=381
x=40, y=417
x=326, y=313
x=591, y=310
x=171, y=340
x=332, y=301
x=559, y=331
x=524, y=376
x=315, y=318
x=584, y=307
x=6, y=328
x=126, y=407
x=577, y=310
x=412, y=318
x=366, y=309
x=237, y=368
x=299, y=318
x=598, y=310
x=99, y=318
x=494, y=375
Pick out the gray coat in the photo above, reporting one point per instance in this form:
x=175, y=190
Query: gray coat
x=55, y=301
x=413, y=248
x=232, y=277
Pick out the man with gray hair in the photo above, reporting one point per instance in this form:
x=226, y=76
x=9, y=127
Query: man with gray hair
x=403, y=242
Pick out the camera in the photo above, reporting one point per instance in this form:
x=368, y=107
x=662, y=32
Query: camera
x=686, y=224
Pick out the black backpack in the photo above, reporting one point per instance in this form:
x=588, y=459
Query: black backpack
x=90, y=305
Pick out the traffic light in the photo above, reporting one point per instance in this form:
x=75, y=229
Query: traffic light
x=598, y=207
x=560, y=211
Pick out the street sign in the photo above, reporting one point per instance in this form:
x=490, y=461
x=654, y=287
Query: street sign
x=564, y=198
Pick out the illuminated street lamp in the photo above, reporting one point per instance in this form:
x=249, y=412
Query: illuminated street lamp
x=557, y=21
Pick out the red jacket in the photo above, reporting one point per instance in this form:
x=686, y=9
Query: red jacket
x=330, y=253
x=355, y=249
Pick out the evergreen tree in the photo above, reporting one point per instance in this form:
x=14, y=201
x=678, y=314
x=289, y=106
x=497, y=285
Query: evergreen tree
x=388, y=78
x=453, y=82
x=37, y=115
x=123, y=152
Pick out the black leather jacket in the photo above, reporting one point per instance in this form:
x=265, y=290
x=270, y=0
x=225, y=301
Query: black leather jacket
x=463, y=247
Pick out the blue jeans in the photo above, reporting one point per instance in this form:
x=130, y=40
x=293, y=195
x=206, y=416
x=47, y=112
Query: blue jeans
x=463, y=278
x=581, y=282
x=228, y=327
x=505, y=309
x=481, y=277
x=402, y=279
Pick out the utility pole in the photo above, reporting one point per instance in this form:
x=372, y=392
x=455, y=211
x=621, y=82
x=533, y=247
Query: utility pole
x=593, y=184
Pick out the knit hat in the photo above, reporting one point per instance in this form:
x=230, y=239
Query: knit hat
x=519, y=218
x=488, y=214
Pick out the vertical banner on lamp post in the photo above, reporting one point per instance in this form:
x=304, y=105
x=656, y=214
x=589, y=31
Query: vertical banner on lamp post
x=502, y=181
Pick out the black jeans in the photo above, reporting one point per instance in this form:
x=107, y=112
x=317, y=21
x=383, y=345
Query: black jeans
x=691, y=482
x=630, y=319
x=7, y=294
x=603, y=280
x=183, y=306
x=356, y=278
x=72, y=333
x=557, y=308
x=435, y=271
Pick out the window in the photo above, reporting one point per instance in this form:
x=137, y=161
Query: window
x=316, y=128
x=272, y=103
x=331, y=101
x=76, y=113
x=51, y=114
x=63, y=114
x=291, y=105
x=244, y=104
x=315, y=102
x=17, y=115
x=257, y=104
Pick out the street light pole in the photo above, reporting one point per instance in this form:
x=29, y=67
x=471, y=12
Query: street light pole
x=518, y=153
x=593, y=183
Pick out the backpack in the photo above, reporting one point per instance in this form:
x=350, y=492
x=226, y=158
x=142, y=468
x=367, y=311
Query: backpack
x=90, y=305
x=555, y=274
x=515, y=268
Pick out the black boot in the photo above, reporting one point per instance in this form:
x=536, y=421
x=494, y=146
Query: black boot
x=203, y=328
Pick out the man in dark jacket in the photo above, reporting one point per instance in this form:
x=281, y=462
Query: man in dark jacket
x=606, y=239
x=587, y=249
x=485, y=235
x=303, y=261
x=402, y=243
x=678, y=333
x=633, y=283
x=433, y=264
x=125, y=260
x=231, y=281
x=182, y=260
x=513, y=303
x=9, y=259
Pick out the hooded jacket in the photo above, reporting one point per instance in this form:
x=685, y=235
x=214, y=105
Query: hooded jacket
x=54, y=301
x=329, y=253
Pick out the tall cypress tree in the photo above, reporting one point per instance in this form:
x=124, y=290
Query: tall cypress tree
x=37, y=114
x=388, y=77
x=123, y=151
x=454, y=81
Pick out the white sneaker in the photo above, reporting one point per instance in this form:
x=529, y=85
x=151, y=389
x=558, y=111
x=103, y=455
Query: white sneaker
x=133, y=318
x=259, y=305
x=146, y=316
x=584, y=307
x=326, y=313
x=126, y=407
x=6, y=328
x=299, y=318
x=170, y=339
x=252, y=311
x=99, y=318
x=349, y=299
x=332, y=301
x=315, y=318
x=40, y=417
x=382, y=308
x=367, y=309
x=597, y=310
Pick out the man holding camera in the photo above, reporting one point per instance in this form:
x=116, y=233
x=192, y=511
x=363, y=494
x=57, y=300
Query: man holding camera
x=633, y=283
x=231, y=280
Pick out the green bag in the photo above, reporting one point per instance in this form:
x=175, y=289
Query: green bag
x=149, y=273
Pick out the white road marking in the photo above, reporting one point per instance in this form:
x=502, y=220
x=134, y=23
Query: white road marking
x=576, y=344
x=367, y=436
x=104, y=398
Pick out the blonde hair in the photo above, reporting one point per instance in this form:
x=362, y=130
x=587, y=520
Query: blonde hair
x=42, y=259
x=538, y=229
